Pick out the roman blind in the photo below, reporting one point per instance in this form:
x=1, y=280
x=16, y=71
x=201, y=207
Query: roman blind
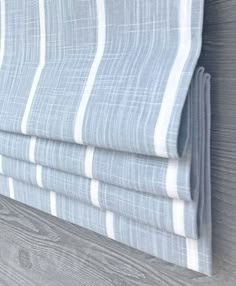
x=105, y=120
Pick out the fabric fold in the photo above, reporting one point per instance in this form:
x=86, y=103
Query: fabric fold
x=156, y=211
x=142, y=173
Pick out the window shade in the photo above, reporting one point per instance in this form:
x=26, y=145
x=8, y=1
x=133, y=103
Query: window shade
x=105, y=120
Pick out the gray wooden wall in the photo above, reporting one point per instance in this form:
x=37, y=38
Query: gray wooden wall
x=37, y=249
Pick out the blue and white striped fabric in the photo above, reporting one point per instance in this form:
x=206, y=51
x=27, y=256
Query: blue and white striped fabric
x=104, y=123
x=113, y=74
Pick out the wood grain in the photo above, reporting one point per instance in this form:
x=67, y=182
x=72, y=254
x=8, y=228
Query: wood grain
x=38, y=249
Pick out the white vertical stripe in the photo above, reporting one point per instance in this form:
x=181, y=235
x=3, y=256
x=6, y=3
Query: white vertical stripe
x=32, y=149
x=1, y=170
x=171, y=179
x=168, y=101
x=101, y=39
x=3, y=30
x=39, y=176
x=110, y=225
x=53, y=203
x=192, y=254
x=94, y=194
x=178, y=217
x=11, y=188
x=40, y=67
x=88, y=162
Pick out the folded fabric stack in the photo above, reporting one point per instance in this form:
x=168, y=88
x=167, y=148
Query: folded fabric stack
x=105, y=120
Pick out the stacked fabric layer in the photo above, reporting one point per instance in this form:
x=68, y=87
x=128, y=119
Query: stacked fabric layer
x=104, y=123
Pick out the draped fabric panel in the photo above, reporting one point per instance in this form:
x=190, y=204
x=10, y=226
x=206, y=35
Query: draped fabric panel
x=105, y=120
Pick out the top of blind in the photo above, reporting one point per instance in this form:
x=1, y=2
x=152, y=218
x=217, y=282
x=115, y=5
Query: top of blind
x=107, y=73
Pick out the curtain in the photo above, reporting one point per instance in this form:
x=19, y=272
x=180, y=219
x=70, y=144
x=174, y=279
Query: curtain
x=105, y=120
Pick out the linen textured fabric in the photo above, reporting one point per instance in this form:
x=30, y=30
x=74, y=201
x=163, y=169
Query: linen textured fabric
x=105, y=120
